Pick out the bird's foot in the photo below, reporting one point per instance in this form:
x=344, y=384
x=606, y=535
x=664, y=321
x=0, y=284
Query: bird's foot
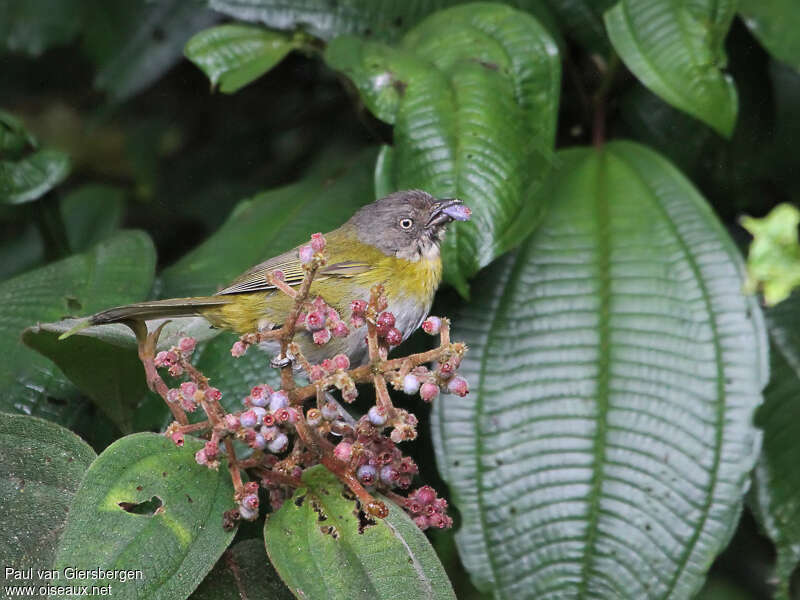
x=279, y=361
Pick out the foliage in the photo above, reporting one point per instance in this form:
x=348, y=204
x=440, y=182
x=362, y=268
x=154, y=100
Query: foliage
x=628, y=402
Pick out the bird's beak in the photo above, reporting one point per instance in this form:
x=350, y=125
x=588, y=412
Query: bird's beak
x=446, y=210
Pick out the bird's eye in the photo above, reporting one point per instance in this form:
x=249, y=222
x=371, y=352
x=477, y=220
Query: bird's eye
x=406, y=223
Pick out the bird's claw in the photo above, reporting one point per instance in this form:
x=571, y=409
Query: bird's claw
x=278, y=361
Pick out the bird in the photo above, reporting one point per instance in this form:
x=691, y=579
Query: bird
x=393, y=241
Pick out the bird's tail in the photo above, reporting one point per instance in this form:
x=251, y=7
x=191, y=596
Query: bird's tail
x=153, y=309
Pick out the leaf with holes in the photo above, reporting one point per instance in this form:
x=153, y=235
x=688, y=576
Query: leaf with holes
x=677, y=50
x=115, y=271
x=145, y=504
x=41, y=469
x=472, y=93
x=234, y=55
x=326, y=548
x=381, y=19
x=776, y=489
x=775, y=23
x=615, y=366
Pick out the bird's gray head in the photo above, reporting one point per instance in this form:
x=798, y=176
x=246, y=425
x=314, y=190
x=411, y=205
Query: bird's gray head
x=409, y=224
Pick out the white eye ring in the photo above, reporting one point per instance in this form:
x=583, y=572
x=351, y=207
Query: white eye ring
x=406, y=223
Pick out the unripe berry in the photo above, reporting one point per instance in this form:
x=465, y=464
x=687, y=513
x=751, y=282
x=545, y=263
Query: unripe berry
x=188, y=389
x=425, y=495
x=247, y=514
x=322, y=336
x=432, y=325
x=177, y=438
x=260, y=400
x=248, y=418
x=188, y=404
x=315, y=320
x=231, y=422
x=458, y=386
x=278, y=400
x=327, y=365
x=317, y=242
x=367, y=474
x=306, y=254
x=394, y=336
x=279, y=444
x=340, y=361
x=428, y=391
x=211, y=449
x=238, y=349
x=410, y=384
x=421, y=522
x=377, y=416
x=259, y=442
x=173, y=395
x=200, y=457
x=213, y=394
x=316, y=373
x=343, y=451
x=260, y=412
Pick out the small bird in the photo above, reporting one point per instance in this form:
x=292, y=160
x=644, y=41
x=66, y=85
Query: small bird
x=393, y=241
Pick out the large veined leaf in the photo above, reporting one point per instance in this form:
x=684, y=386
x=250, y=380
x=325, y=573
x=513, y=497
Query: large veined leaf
x=234, y=55
x=472, y=93
x=41, y=469
x=614, y=367
x=381, y=19
x=776, y=490
x=326, y=548
x=145, y=505
x=115, y=271
x=775, y=23
x=676, y=49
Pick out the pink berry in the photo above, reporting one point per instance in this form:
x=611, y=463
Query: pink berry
x=238, y=349
x=394, y=336
x=322, y=336
x=343, y=451
x=340, y=329
x=358, y=307
x=317, y=242
x=173, y=395
x=315, y=320
x=316, y=373
x=425, y=495
x=187, y=344
x=278, y=275
x=432, y=325
x=385, y=322
x=278, y=400
x=200, y=457
x=250, y=501
x=410, y=384
x=377, y=416
x=177, y=438
x=188, y=389
x=162, y=359
x=428, y=391
x=340, y=361
x=231, y=422
x=458, y=386
x=211, y=449
x=213, y=394
x=306, y=253
x=367, y=474
x=248, y=419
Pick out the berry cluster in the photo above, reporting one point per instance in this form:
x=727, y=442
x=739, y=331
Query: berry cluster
x=287, y=436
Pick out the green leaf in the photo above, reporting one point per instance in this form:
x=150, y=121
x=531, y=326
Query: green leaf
x=472, y=93
x=235, y=55
x=14, y=138
x=91, y=214
x=273, y=222
x=33, y=26
x=773, y=261
x=41, y=469
x=325, y=547
x=116, y=271
x=146, y=505
x=244, y=571
x=33, y=176
x=776, y=480
x=614, y=367
x=677, y=50
x=775, y=23
x=133, y=43
x=582, y=20
x=379, y=19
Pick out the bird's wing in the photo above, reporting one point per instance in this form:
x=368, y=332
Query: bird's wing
x=257, y=278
